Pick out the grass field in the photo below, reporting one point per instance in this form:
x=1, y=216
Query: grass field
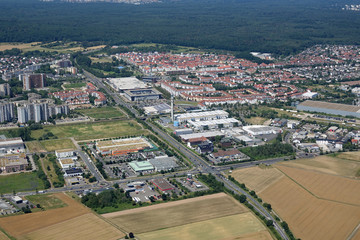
x=46, y=201
x=355, y=156
x=177, y=213
x=20, y=182
x=102, y=113
x=239, y=226
x=334, y=188
x=64, y=48
x=75, y=85
x=256, y=120
x=257, y=178
x=88, y=226
x=21, y=225
x=50, y=145
x=338, y=165
x=96, y=130
x=308, y=216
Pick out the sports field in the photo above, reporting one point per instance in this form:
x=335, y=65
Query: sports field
x=102, y=113
x=50, y=145
x=95, y=130
x=257, y=178
x=84, y=227
x=239, y=226
x=20, y=182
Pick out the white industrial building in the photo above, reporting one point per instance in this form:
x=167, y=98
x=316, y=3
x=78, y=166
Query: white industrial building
x=210, y=134
x=255, y=130
x=64, y=153
x=213, y=124
x=127, y=83
x=201, y=116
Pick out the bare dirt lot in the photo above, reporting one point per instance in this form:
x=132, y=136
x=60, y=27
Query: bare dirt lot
x=257, y=178
x=177, y=213
x=88, y=226
x=21, y=225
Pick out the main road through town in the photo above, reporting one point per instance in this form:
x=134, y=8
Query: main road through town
x=196, y=160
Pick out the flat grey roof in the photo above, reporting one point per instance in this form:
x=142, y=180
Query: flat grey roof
x=333, y=106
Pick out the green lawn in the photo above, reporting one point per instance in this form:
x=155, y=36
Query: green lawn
x=20, y=182
x=46, y=201
x=96, y=130
x=102, y=113
x=75, y=85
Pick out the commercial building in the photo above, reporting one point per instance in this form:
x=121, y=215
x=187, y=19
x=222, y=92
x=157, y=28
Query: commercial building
x=121, y=84
x=157, y=109
x=73, y=172
x=329, y=108
x=163, y=163
x=31, y=81
x=141, y=166
x=213, y=124
x=122, y=146
x=6, y=111
x=201, y=116
x=163, y=185
x=13, y=162
x=66, y=163
x=142, y=94
x=210, y=134
x=66, y=153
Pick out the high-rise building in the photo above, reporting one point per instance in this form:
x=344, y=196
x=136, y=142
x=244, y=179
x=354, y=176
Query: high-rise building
x=4, y=90
x=33, y=81
x=6, y=111
x=40, y=110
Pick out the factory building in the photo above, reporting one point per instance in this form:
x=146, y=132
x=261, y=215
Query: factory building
x=11, y=145
x=256, y=130
x=213, y=124
x=201, y=116
x=329, y=108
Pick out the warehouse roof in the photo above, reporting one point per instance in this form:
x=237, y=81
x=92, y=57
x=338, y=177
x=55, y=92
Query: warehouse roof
x=334, y=106
x=163, y=163
x=202, y=114
x=213, y=122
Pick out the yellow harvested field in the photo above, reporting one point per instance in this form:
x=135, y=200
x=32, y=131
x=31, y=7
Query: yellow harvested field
x=239, y=226
x=350, y=155
x=88, y=226
x=326, y=186
x=21, y=225
x=8, y=46
x=177, y=213
x=308, y=216
x=327, y=164
x=257, y=178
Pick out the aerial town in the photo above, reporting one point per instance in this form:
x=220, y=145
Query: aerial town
x=183, y=125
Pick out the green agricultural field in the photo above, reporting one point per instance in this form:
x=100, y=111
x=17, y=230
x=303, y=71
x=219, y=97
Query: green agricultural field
x=230, y=227
x=20, y=182
x=75, y=85
x=96, y=130
x=102, y=113
x=46, y=201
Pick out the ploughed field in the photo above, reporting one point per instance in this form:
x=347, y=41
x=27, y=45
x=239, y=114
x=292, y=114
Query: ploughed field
x=318, y=198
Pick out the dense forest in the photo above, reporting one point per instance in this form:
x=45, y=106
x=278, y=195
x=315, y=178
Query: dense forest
x=277, y=26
